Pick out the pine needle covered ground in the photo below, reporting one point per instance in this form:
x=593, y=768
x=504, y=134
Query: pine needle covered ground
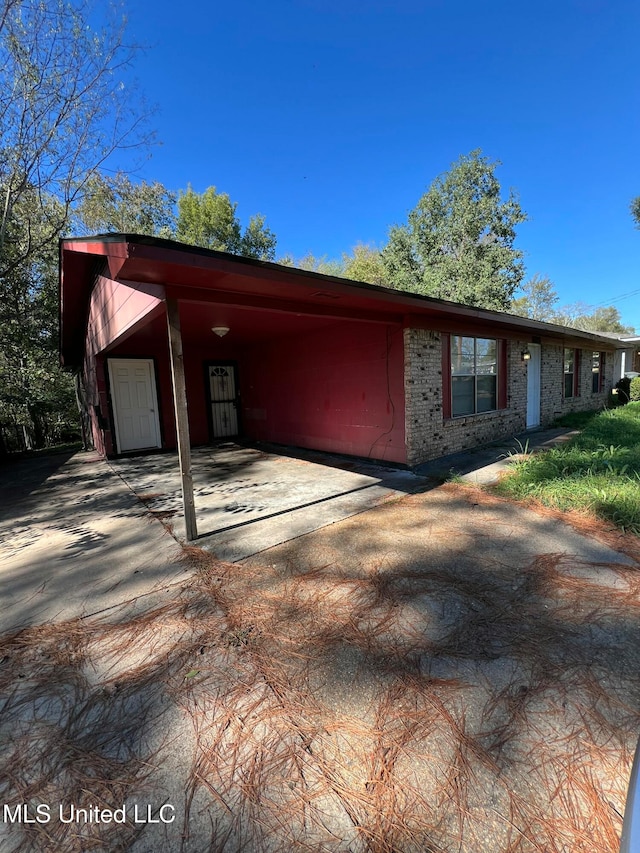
x=416, y=678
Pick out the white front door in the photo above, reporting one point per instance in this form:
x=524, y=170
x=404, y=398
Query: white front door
x=533, y=387
x=135, y=403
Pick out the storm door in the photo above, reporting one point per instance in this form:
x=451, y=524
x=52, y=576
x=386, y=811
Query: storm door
x=223, y=394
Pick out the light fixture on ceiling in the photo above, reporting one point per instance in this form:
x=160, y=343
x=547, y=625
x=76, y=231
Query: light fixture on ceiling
x=220, y=331
x=526, y=355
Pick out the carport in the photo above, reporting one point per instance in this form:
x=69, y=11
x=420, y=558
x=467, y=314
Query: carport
x=185, y=346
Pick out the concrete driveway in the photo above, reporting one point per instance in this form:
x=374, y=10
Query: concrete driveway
x=248, y=499
x=78, y=535
x=439, y=671
x=74, y=541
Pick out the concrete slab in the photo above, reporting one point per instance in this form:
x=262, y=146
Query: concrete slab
x=484, y=465
x=75, y=541
x=248, y=500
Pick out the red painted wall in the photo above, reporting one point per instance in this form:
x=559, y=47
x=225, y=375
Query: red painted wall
x=340, y=390
x=114, y=309
x=158, y=349
x=195, y=359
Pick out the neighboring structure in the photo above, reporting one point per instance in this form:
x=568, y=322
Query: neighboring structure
x=627, y=359
x=275, y=354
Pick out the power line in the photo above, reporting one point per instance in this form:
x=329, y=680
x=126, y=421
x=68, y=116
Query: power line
x=618, y=298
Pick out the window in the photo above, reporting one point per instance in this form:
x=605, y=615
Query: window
x=570, y=373
x=597, y=372
x=474, y=375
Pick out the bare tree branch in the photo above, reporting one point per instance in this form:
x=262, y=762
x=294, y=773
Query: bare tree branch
x=65, y=110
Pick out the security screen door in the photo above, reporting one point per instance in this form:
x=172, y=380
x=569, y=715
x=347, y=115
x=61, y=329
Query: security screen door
x=223, y=390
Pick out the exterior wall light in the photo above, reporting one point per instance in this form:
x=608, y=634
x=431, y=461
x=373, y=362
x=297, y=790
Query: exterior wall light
x=220, y=331
x=526, y=355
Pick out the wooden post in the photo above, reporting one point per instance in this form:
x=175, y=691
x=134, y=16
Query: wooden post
x=182, y=417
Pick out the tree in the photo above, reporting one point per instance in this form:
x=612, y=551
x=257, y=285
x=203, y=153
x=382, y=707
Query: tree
x=36, y=397
x=311, y=263
x=117, y=204
x=458, y=243
x=635, y=210
x=538, y=299
x=64, y=111
x=364, y=263
x=258, y=241
x=579, y=315
x=209, y=219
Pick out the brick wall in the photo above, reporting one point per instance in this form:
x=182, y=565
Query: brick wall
x=430, y=436
x=553, y=402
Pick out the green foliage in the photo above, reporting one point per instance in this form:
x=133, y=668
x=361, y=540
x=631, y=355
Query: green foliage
x=623, y=387
x=64, y=112
x=458, y=243
x=258, y=241
x=590, y=319
x=311, y=263
x=209, y=220
x=598, y=471
x=538, y=299
x=575, y=420
x=34, y=393
x=117, y=204
x=635, y=210
x=538, y=302
x=634, y=390
x=364, y=263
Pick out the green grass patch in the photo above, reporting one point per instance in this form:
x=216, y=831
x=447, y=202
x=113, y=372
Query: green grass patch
x=598, y=471
x=575, y=420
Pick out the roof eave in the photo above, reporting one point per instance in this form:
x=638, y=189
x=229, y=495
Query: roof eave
x=124, y=246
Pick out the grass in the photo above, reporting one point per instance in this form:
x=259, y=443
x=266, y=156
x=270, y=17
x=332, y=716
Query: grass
x=598, y=472
x=575, y=420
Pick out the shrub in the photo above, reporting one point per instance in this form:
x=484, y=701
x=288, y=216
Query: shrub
x=634, y=390
x=623, y=389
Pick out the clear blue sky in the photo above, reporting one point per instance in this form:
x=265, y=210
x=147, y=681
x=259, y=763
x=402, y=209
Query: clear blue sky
x=332, y=117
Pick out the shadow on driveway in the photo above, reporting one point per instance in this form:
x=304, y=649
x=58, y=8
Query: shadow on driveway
x=248, y=499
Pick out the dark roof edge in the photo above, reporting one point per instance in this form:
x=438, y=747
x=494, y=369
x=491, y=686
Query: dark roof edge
x=445, y=305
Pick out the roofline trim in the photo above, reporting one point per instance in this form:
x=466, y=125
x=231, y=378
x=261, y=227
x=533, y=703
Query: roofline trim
x=398, y=296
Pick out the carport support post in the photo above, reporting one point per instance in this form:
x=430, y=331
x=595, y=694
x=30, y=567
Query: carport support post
x=182, y=417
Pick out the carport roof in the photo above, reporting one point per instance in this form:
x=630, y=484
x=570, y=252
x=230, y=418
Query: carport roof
x=169, y=268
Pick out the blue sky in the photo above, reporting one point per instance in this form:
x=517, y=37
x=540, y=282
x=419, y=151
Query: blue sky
x=332, y=118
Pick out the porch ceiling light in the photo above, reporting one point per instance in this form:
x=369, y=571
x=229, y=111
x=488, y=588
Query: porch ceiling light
x=220, y=331
x=526, y=355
